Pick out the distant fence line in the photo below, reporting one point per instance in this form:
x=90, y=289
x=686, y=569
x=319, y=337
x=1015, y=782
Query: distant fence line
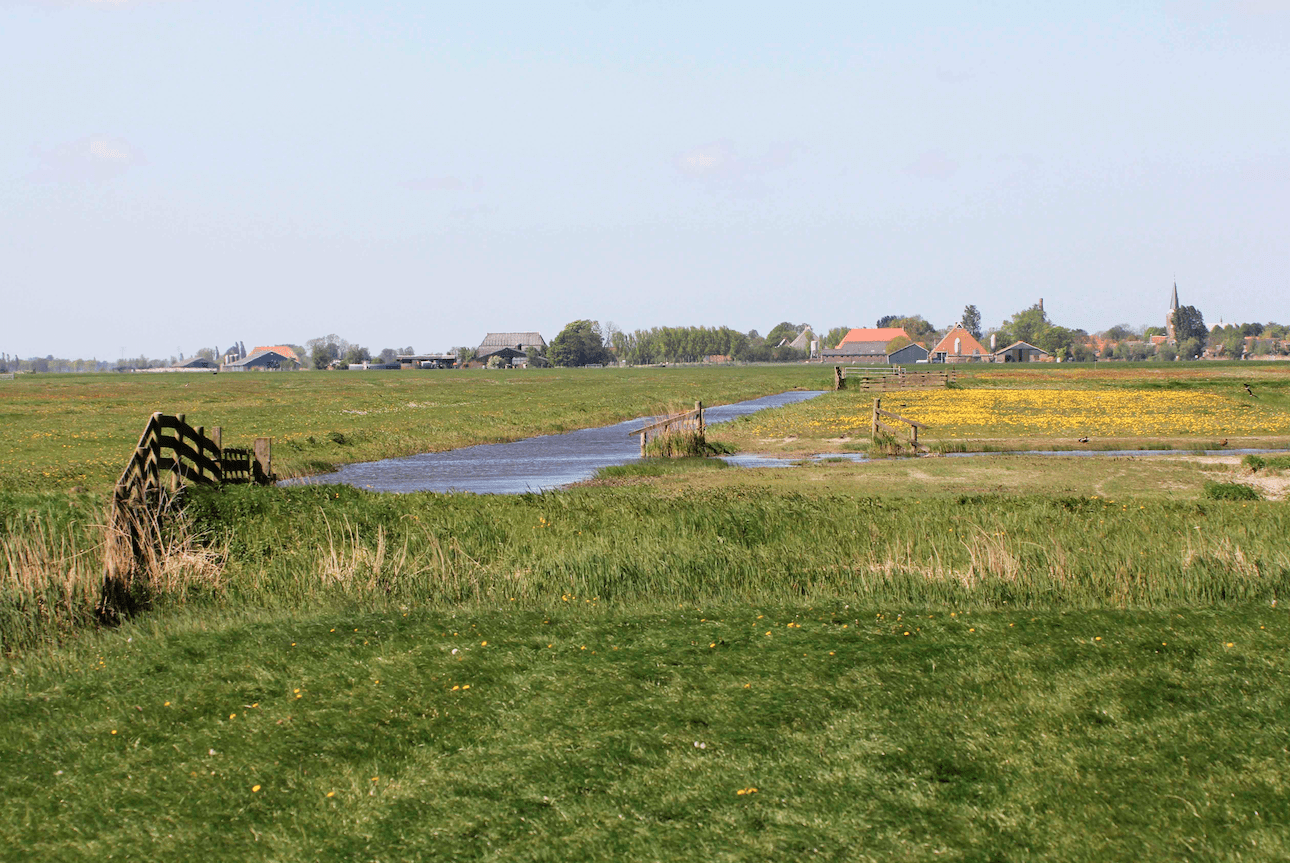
x=885, y=379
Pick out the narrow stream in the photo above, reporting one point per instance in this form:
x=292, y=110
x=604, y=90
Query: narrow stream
x=552, y=461
x=533, y=464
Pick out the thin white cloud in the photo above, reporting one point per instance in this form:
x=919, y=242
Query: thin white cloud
x=933, y=165
x=90, y=159
x=718, y=164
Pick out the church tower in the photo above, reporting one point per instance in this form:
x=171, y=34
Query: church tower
x=1169, y=318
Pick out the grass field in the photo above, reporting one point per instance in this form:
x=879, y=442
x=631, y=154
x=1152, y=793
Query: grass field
x=60, y=431
x=1001, y=657
x=698, y=733
x=1124, y=407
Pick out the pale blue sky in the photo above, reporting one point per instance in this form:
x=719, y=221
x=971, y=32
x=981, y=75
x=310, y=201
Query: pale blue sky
x=413, y=173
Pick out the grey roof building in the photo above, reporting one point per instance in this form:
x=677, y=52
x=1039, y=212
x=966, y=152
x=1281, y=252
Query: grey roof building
x=509, y=344
x=270, y=360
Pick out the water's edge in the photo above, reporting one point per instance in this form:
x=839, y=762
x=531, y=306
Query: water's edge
x=533, y=464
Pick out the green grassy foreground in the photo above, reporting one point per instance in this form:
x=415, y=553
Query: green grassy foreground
x=998, y=658
x=646, y=733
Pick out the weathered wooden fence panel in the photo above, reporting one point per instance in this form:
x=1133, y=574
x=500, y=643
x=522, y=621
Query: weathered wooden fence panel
x=685, y=421
x=170, y=455
x=877, y=426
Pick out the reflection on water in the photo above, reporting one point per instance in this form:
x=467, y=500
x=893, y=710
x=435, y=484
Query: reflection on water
x=533, y=464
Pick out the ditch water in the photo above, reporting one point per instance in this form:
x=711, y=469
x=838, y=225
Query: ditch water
x=532, y=464
x=552, y=461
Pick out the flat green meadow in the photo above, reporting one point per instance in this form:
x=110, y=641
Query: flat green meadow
x=697, y=733
x=1002, y=657
x=61, y=431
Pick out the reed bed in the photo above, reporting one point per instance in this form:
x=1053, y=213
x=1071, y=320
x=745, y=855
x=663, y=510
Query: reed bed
x=640, y=545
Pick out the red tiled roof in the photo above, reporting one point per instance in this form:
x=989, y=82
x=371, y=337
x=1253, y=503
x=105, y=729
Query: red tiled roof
x=279, y=349
x=967, y=344
x=874, y=334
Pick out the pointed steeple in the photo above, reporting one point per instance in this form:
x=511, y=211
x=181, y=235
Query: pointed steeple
x=1173, y=304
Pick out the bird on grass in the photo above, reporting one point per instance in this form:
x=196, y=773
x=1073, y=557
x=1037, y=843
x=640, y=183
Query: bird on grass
x=1223, y=442
x=1083, y=440
x=1250, y=391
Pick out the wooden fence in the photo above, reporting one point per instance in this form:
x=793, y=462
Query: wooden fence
x=171, y=454
x=879, y=427
x=691, y=421
x=885, y=380
x=6, y=376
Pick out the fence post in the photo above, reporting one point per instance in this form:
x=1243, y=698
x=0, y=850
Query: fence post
x=839, y=380
x=873, y=430
x=698, y=411
x=263, y=459
x=642, y=444
x=217, y=438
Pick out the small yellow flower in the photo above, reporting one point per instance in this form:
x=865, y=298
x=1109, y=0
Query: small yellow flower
x=331, y=793
x=255, y=788
x=232, y=716
x=114, y=731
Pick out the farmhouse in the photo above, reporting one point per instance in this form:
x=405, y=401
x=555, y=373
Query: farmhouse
x=959, y=346
x=197, y=363
x=864, y=345
x=263, y=360
x=1020, y=352
x=509, y=346
x=427, y=361
x=910, y=353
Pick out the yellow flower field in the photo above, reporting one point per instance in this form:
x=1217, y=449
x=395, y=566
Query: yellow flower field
x=1045, y=413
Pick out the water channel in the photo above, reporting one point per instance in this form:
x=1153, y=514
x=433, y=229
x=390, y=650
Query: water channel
x=552, y=461
x=532, y=464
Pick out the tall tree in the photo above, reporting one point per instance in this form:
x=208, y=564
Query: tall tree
x=835, y=336
x=1028, y=324
x=1189, y=323
x=578, y=344
x=972, y=321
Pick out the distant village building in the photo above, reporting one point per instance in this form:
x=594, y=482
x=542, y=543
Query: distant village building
x=960, y=346
x=864, y=345
x=264, y=360
x=1170, y=335
x=910, y=353
x=508, y=347
x=1021, y=352
x=197, y=363
x=427, y=361
x=284, y=350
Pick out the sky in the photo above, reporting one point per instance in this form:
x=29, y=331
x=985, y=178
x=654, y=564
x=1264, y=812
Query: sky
x=179, y=174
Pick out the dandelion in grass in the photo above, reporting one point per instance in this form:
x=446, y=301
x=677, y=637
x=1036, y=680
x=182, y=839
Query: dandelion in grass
x=255, y=788
x=331, y=793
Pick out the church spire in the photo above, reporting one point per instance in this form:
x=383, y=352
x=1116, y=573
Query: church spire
x=1173, y=304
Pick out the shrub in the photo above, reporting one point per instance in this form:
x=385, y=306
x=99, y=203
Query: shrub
x=1229, y=491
